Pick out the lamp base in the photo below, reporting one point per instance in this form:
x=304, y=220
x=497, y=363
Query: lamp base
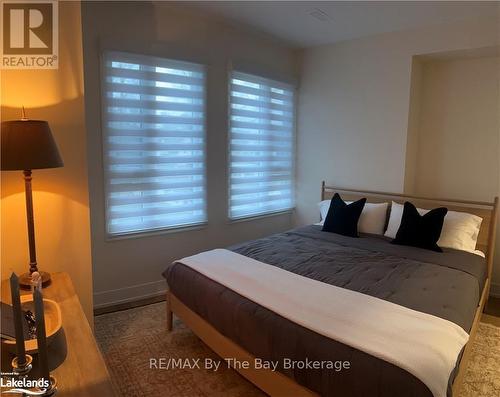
x=22, y=369
x=25, y=280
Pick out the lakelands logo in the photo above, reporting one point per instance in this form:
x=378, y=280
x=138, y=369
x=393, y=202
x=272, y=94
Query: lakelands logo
x=24, y=386
x=29, y=34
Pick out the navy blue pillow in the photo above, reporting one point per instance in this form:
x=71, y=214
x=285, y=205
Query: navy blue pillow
x=422, y=231
x=343, y=218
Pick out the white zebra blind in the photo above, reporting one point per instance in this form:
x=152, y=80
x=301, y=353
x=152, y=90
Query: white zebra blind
x=154, y=143
x=262, y=146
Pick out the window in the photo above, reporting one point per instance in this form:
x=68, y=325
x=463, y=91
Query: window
x=154, y=143
x=262, y=146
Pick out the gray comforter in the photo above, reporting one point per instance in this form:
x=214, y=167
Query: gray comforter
x=446, y=285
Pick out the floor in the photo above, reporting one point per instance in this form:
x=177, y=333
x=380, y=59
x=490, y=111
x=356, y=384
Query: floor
x=129, y=305
x=129, y=339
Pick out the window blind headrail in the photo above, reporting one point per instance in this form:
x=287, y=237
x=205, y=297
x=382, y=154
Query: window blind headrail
x=248, y=78
x=127, y=60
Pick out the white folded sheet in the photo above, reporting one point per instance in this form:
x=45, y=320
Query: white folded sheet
x=424, y=345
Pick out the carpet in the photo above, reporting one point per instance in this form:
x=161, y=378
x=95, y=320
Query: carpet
x=130, y=339
x=482, y=378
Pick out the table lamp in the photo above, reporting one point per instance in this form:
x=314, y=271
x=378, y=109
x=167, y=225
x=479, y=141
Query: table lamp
x=27, y=145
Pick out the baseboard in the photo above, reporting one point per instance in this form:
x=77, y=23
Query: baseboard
x=129, y=294
x=495, y=290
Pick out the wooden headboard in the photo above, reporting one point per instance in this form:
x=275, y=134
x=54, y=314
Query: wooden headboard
x=486, y=210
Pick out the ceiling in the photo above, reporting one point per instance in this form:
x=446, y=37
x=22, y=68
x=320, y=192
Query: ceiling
x=312, y=23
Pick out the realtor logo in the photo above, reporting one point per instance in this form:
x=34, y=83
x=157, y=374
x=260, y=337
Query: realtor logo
x=29, y=34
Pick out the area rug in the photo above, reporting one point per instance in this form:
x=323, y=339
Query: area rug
x=482, y=378
x=137, y=349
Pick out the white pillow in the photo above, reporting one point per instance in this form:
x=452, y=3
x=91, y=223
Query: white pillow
x=372, y=219
x=395, y=219
x=460, y=229
x=324, y=206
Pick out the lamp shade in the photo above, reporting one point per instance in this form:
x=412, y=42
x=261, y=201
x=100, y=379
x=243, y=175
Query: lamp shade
x=28, y=145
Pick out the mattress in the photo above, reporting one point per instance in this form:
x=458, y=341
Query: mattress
x=445, y=284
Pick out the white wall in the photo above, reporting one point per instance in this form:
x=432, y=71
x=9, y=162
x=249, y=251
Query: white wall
x=131, y=268
x=354, y=108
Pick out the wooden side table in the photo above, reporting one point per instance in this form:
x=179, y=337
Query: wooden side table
x=74, y=357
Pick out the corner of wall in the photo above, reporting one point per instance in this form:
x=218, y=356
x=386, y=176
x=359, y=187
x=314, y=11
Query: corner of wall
x=413, y=126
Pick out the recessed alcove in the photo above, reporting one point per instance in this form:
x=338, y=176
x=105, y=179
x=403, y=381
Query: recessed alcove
x=454, y=125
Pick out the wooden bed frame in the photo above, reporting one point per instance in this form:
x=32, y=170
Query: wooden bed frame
x=277, y=384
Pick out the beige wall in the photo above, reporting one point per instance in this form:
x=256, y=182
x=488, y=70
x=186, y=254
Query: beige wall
x=60, y=195
x=415, y=106
x=130, y=268
x=458, y=131
x=457, y=151
x=354, y=108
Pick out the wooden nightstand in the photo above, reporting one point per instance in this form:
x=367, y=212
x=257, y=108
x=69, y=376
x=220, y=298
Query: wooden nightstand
x=74, y=358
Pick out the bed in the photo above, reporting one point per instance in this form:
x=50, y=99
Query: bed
x=453, y=286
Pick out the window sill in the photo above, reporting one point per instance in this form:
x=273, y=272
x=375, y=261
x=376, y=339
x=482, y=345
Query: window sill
x=155, y=233
x=257, y=217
